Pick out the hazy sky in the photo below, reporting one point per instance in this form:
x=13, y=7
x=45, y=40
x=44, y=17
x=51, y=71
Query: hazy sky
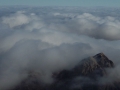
x=113, y=3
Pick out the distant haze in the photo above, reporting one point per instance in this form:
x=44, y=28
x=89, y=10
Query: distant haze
x=86, y=3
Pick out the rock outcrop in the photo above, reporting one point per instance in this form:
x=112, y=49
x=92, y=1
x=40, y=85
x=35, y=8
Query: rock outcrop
x=84, y=76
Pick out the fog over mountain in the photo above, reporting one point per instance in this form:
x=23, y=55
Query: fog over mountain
x=50, y=39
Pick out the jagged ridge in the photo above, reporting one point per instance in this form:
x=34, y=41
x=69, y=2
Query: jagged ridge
x=91, y=68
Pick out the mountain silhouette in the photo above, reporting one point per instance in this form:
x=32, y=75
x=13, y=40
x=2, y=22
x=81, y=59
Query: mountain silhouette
x=84, y=76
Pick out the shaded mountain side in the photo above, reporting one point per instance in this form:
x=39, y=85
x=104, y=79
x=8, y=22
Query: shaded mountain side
x=84, y=76
x=103, y=61
x=91, y=66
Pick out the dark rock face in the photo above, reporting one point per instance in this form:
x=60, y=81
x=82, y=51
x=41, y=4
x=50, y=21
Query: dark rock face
x=103, y=61
x=83, y=76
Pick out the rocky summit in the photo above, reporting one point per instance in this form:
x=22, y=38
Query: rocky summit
x=85, y=75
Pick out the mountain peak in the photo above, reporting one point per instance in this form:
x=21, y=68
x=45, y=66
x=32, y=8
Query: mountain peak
x=103, y=61
x=100, y=55
x=89, y=69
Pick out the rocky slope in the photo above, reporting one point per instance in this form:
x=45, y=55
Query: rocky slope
x=84, y=76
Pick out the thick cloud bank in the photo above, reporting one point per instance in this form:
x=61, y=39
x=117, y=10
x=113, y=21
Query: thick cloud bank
x=49, y=39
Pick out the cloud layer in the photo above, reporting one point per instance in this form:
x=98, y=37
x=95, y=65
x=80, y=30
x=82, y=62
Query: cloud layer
x=51, y=40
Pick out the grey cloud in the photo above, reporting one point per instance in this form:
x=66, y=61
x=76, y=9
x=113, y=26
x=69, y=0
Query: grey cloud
x=47, y=43
x=85, y=24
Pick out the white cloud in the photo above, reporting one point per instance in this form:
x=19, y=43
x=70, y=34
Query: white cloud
x=16, y=20
x=50, y=42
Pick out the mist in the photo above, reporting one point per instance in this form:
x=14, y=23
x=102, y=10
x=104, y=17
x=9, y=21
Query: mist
x=50, y=39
